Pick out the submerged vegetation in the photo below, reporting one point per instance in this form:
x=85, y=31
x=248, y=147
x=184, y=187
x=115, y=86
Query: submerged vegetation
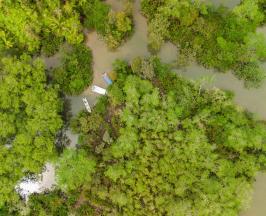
x=216, y=37
x=162, y=146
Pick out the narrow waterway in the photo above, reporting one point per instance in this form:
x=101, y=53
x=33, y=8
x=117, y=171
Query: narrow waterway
x=252, y=100
x=226, y=3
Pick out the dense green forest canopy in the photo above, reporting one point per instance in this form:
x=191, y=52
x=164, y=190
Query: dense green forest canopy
x=216, y=37
x=29, y=121
x=157, y=144
x=31, y=26
x=160, y=145
x=113, y=26
x=27, y=25
x=30, y=105
x=76, y=72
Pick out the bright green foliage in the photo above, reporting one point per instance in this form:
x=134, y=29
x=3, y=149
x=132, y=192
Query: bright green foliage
x=76, y=73
x=60, y=19
x=34, y=26
x=170, y=148
x=96, y=13
x=27, y=25
x=215, y=37
x=19, y=26
x=257, y=43
x=249, y=10
x=29, y=121
x=74, y=169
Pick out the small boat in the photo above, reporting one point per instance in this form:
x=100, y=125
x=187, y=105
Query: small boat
x=98, y=90
x=86, y=103
x=107, y=79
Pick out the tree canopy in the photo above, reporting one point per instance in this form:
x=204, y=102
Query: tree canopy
x=74, y=169
x=34, y=26
x=113, y=26
x=27, y=25
x=165, y=146
x=29, y=118
x=76, y=72
x=156, y=144
x=216, y=37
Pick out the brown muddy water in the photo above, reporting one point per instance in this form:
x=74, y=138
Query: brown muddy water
x=253, y=100
x=226, y=3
